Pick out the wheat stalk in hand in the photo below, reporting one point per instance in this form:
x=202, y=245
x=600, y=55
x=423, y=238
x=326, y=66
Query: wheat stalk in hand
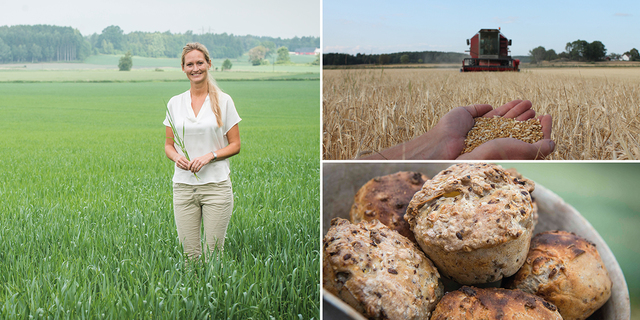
x=179, y=141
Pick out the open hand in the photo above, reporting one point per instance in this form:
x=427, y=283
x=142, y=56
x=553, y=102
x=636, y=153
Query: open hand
x=514, y=149
x=454, y=126
x=445, y=141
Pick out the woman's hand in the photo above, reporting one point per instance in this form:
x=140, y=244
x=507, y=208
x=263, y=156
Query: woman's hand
x=445, y=141
x=181, y=162
x=196, y=164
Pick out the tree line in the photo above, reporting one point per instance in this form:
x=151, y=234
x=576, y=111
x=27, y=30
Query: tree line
x=41, y=43
x=340, y=59
x=579, y=50
x=33, y=43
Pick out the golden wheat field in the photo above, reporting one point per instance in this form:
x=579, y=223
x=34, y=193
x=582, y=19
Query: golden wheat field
x=596, y=111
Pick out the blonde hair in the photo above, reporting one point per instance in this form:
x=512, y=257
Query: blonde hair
x=212, y=88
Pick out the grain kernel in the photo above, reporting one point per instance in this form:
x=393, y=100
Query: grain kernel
x=486, y=129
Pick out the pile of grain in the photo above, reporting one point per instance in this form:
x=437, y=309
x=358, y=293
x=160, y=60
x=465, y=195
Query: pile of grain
x=486, y=129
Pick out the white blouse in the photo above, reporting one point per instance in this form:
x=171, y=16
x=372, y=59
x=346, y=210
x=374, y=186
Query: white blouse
x=202, y=135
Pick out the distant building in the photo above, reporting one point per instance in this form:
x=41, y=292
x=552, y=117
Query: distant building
x=625, y=57
x=307, y=51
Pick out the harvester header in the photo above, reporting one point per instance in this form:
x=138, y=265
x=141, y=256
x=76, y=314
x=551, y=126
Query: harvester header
x=489, y=50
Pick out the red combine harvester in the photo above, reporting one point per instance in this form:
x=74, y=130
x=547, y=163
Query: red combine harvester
x=489, y=52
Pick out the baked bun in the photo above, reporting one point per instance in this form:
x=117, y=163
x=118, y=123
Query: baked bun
x=474, y=221
x=386, y=198
x=493, y=303
x=517, y=175
x=379, y=272
x=567, y=271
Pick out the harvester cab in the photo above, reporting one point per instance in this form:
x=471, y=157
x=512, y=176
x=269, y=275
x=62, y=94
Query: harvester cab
x=489, y=50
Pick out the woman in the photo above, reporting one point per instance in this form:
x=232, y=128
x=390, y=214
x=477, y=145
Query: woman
x=206, y=120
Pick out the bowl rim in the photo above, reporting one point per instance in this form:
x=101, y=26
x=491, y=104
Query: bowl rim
x=553, y=207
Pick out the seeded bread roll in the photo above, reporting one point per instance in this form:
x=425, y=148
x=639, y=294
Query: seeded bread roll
x=474, y=221
x=567, y=271
x=386, y=198
x=493, y=303
x=379, y=272
x=516, y=175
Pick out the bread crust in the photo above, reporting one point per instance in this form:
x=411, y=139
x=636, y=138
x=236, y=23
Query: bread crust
x=565, y=269
x=386, y=199
x=379, y=272
x=514, y=173
x=474, y=221
x=493, y=303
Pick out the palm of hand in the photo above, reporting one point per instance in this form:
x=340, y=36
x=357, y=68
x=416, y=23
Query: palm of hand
x=454, y=126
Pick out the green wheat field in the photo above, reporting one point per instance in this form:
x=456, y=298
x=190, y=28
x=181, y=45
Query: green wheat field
x=87, y=228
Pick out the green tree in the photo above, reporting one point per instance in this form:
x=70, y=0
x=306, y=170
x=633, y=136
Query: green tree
x=156, y=46
x=384, y=59
x=126, y=62
x=404, y=58
x=5, y=52
x=113, y=35
x=36, y=52
x=283, y=55
x=633, y=54
x=270, y=46
x=106, y=46
x=317, y=61
x=19, y=52
x=595, y=51
x=577, y=49
x=226, y=65
x=257, y=54
x=550, y=55
x=537, y=54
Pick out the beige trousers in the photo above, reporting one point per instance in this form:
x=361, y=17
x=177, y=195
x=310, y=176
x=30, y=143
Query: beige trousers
x=209, y=204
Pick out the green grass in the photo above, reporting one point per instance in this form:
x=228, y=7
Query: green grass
x=300, y=64
x=144, y=62
x=87, y=227
x=144, y=75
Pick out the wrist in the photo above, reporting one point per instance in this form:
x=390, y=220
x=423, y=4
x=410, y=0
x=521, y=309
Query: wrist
x=423, y=147
x=214, y=156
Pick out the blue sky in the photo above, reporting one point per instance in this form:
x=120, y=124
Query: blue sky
x=358, y=26
x=275, y=18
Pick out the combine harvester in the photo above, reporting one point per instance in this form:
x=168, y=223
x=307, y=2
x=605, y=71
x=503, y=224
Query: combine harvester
x=489, y=52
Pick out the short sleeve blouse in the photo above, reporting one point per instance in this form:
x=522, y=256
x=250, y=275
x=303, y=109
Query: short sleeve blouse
x=202, y=135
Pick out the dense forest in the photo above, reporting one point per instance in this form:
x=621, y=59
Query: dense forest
x=339, y=59
x=42, y=43
x=35, y=43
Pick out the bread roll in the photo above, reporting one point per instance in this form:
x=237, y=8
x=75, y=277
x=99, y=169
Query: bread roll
x=567, y=271
x=474, y=221
x=386, y=198
x=379, y=272
x=517, y=175
x=493, y=303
